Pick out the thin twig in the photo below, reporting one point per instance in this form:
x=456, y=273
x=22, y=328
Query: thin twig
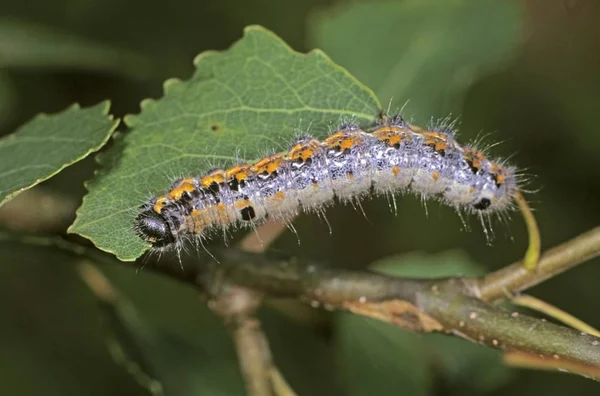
x=260, y=240
x=514, y=278
x=237, y=306
x=260, y=373
x=533, y=361
x=38, y=210
x=280, y=385
x=550, y=310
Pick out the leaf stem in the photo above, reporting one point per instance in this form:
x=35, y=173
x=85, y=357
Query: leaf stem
x=532, y=255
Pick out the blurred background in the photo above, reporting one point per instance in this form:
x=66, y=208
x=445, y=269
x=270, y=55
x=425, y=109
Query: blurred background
x=525, y=72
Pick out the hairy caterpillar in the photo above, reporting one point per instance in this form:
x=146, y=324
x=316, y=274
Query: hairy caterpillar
x=392, y=156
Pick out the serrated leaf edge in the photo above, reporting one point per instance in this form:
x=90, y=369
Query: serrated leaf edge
x=74, y=106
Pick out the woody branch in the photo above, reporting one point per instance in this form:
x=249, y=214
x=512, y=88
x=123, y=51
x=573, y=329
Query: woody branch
x=454, y=306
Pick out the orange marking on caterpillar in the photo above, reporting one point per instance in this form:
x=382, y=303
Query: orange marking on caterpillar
x=200, y=219
x=239, y=172
x=343, y=140
x=160, y=204
x=387, y=130
x=396, y=170
x=268, y=165
x=176, y=193
x=390, y=135
x=436, y=140
x=475, y=157
x=242, y=203
x=304, y=150
x=217, y=177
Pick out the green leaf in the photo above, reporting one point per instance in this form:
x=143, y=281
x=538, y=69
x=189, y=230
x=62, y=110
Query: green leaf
x=377, y=358
x=465, y=365
x=49, y=143
x=24, y=44
x=161, y=362
x=300, y=353
x=252, y=97
x=426, y=52
x=131, y=343
x=462, y=363
x=420, y=265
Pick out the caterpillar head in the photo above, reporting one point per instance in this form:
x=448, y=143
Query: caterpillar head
x=154, y=228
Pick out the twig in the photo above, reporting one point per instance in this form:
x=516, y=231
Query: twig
x=515, y=278
x=237, y=306
x=280, y=385
x=260, y=240
x=260, y=373
x=536, y=304
x=532, y=361
x=38, y=210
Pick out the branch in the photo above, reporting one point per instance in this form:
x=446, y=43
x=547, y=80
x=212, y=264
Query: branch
x=419, y=305
x=451, y=305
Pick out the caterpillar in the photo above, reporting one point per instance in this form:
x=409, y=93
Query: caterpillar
x=391, y=156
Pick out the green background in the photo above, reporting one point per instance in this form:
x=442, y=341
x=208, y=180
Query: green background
x=528, y=75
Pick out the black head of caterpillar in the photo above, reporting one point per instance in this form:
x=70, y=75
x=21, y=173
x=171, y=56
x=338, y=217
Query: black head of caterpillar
x=154, y=228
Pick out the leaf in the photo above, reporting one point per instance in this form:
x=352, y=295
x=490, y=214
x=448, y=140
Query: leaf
x=252, y=97
x=130, y=342
x=300, y=353
x=465, y=365
x=162, y=362
x=420, y=265
x=24, y=44
x=462, y=363
x=424, y=53
x=49, y=143
x=380, y=359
